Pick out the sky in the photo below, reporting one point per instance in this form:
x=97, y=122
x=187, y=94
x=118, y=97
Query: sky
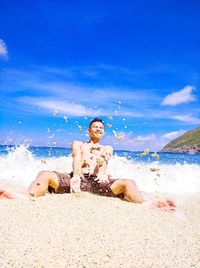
x=135, y=64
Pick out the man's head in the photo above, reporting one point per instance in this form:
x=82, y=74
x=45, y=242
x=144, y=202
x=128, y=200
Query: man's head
x=96, y=119
x=96, y=128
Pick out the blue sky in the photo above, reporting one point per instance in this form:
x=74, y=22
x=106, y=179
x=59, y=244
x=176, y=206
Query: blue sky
x=136, y=64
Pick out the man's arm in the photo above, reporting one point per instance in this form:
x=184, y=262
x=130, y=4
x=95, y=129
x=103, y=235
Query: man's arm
x=76, y=166
x=102, y=175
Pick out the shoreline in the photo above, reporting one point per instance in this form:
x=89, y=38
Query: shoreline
x=86, y=230
x=167, y=150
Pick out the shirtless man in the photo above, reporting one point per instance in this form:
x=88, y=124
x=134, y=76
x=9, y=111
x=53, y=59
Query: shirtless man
x=89, y=173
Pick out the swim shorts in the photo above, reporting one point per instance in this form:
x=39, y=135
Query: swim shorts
x=87, y=184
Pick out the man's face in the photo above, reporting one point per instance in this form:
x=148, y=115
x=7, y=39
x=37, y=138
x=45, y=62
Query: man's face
x=96, y=130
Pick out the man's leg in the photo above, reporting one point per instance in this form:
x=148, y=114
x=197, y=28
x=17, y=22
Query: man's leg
x=8, y=194
x=129, y=189
x=43, y=180
x=132, y=194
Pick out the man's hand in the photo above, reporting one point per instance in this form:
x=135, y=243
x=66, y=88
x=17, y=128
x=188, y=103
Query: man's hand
x=102, y=178
x=75, y=184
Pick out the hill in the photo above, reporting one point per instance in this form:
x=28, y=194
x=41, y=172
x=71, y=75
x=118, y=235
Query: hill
x=189, y=142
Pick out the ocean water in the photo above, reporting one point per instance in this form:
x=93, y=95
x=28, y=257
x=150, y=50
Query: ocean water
x=171, y=173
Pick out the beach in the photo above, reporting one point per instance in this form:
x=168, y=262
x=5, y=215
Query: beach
x=99, y=96
x=86, y=230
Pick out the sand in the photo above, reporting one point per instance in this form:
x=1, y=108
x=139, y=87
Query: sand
x=85, y=230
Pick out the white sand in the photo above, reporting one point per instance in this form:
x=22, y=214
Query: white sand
x=85, y=230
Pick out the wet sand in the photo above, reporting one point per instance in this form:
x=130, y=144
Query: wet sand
x=84, y=230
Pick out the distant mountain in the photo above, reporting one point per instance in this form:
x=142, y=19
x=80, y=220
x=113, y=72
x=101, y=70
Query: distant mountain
x=189, y=142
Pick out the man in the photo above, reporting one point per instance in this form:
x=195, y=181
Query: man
x=89, y=167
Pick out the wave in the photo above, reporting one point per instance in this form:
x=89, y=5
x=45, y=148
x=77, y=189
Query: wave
x=21, y=167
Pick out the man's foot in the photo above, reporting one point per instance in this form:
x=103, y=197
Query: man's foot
x=7, y=194
x=166, y=204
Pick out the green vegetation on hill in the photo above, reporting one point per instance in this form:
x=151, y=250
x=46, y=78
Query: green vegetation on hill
x=190, y=139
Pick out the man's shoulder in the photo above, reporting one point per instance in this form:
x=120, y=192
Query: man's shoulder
x=77, y=143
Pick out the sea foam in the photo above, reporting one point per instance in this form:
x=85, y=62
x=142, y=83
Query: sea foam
x=21, y=167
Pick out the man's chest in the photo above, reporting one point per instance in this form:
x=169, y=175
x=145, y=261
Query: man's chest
x=93, y=151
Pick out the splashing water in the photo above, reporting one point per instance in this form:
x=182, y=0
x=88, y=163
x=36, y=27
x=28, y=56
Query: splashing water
x=21, y=165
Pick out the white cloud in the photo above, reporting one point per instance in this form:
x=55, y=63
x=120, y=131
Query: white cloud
x=87, y=94
x=187, y=119
x=178, y=97
x=164, y=139
x=172, y=135
x=135, y=103
x=132, y=142
x=152, y=141
x=66, y=82
x=150, y=137
x=63, y=107
x=3, y=49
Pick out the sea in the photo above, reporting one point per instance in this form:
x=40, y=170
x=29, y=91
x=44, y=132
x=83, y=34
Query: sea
x=167, y=172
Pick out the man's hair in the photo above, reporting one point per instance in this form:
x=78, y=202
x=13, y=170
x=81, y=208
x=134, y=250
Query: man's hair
x=96, y=120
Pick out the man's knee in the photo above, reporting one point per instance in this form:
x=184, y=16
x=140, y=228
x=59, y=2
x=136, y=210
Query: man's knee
x=40, y=185
x=45, y=174
x=129, y=183
x=123, y=183
x=46, y=178
x=42, y=178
